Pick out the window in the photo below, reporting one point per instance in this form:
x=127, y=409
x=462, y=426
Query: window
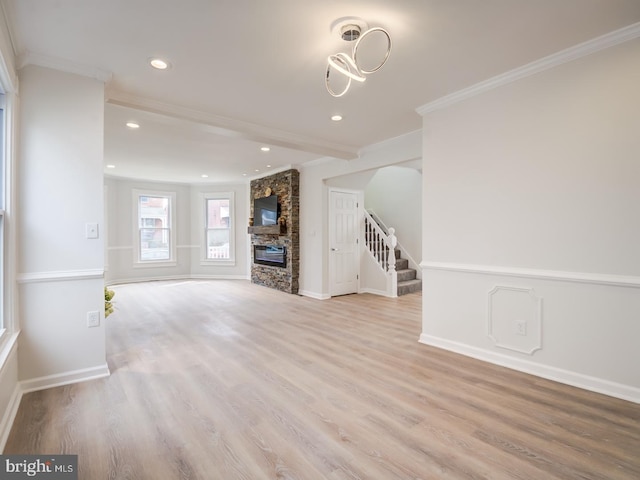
x=218, y=227
x=3, y=154
x=154, y=231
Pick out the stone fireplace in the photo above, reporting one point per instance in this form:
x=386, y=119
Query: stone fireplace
x=276, y=248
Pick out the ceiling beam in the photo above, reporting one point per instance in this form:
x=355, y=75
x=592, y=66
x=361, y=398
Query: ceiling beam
x=235, y=128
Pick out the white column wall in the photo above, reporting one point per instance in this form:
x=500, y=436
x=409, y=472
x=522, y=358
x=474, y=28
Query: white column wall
x=59, y=192
x=534, y=186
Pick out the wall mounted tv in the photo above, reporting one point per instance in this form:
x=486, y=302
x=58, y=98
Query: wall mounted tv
x=265, y=210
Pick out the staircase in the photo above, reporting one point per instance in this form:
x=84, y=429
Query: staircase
x=381, y=241
x=407, y=281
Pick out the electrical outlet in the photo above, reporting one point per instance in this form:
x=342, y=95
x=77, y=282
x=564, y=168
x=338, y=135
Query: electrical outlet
x=93, y=319
x=521, y=327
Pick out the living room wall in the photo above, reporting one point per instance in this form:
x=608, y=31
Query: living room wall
x=315, y=179
x=530, y=214
x=189, y=217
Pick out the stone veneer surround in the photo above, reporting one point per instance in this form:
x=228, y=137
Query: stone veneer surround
x=286, y=185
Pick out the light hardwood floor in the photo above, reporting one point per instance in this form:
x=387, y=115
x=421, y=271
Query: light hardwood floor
x=229, y=380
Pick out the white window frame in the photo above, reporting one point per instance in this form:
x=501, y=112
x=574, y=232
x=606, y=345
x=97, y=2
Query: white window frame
x=9, y=326
x=232, y=223
x=4, y=155
x=137, y=262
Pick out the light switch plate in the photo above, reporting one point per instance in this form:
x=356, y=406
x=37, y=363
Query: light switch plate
x=93, y=319
x=92, y=230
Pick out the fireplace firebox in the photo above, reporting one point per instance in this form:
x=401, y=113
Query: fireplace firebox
x=272, y=255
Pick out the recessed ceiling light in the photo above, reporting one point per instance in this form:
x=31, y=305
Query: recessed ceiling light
x=133, y=125
x=268, y=166
x=336, y=118
x=265, y=149
x=159, y=63
x=204, y=175
x=111, y=166
x=244, y=174
x=256, y=170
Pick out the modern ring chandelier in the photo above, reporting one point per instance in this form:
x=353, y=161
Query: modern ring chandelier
x=351, y=29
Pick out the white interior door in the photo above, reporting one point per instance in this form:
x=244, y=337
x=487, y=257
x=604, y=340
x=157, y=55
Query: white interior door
x=343, y=242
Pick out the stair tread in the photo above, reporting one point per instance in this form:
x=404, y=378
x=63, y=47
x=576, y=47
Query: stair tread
x=409, y=286
x=402, y=263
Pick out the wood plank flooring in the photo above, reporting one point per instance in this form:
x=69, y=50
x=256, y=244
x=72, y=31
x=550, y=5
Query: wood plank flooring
x=229, y=380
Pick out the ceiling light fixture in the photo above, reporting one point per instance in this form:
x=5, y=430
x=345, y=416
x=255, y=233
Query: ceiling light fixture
x=351, y=29
x=204, y=175
x=158, y=63
x=336, y=118
x=132, y=125
x=265, y=149
x=111, y=166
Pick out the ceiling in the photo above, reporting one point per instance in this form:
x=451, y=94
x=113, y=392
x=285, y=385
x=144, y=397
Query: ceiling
x=250, y=73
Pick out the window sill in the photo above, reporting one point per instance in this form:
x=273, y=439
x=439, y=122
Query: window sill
x=7, y=344
x=218, y=263
x=152, y=264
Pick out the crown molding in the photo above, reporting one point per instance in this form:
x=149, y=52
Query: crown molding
x=564, y=56
x=30, y=58
x=232, y=127
x=272, y=171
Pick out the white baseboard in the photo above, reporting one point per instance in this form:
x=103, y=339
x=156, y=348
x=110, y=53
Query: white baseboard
x=374, y=291
x=42, y=383
x=220, y=277
x=586, y=382
x=65, y=378
x=9, y=416
x=120, y=281
x=176, y=277
x=317, y=296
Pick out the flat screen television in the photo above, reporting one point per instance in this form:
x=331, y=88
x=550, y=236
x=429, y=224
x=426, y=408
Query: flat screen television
x=265, y=210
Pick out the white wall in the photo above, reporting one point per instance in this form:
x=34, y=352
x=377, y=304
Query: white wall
x=315, y=178
x=534, y=185
x=190, y=232
x=395, y=195
x=60, y=190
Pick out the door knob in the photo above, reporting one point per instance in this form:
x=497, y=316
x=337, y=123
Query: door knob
x=334, y=249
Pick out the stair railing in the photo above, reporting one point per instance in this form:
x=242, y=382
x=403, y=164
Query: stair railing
x=382, y=247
